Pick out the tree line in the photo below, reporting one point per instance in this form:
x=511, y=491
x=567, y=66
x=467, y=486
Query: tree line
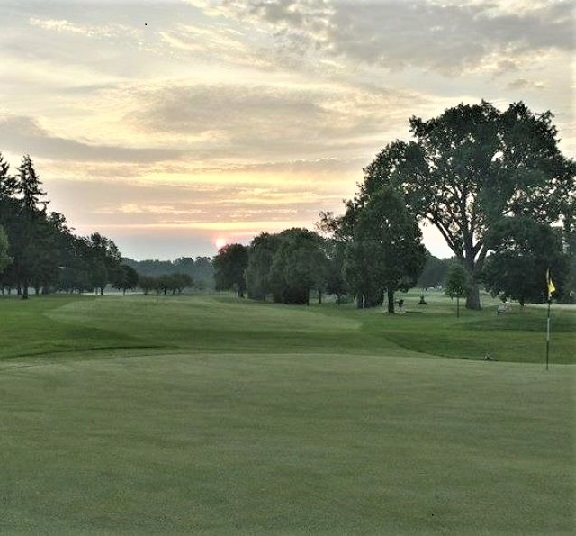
x=156, y=273
x=289, y=266
x=39, y=249
x=494, y=184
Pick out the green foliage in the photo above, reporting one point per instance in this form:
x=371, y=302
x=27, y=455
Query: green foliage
x=230, y=268
x=5, y=259
x=299, y=264
x=457, y=283
x=175, y=283
x=523, y=250
x=147, y=283
x=260, y=259
x=336, y=283
x=385, y=253
x=434, y=271
x=200, y=269
x=28, y=187
x=7, y=182
x=471, y=166
x=46, y=254
x=125, y=278
x=287, y=265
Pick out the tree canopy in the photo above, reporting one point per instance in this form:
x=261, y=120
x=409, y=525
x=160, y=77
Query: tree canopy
x=230, y=268
x=470, y=167
x=523, y=250
x=287, y=265
x=45, y=253
x=385, y=253
x=5, y=259
x=457, y=283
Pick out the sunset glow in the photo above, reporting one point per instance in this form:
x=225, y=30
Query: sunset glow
x=220, y=243
x=177, y=127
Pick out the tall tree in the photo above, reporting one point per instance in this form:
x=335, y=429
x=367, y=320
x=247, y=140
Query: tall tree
x=30, y=228
x=299, y=265
x=230, y=268
x=568, y=212
x=125, y=278
x=386, y=253
x=8, y=215
x=5, y=259
x=471, y=166
x=105, y=258
x=336, y=283
x=287, y=265
x=260, y=258
x=29, y=187
x=7, y=181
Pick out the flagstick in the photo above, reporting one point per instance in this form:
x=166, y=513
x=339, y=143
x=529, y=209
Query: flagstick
x=548, y=333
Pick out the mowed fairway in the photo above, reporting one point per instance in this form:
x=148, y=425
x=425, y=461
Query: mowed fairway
x=208, y=415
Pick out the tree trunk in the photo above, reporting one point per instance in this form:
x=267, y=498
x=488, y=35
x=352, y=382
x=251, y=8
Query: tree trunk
x=391, y=302
x=473, y=293
x=473, y=296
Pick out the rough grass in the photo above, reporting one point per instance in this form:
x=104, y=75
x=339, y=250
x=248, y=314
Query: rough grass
x=210, y=416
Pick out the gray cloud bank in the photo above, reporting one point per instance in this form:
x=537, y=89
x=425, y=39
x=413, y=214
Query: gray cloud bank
x=399, y=34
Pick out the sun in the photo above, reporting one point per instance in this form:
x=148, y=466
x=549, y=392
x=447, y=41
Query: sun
x=220, y=243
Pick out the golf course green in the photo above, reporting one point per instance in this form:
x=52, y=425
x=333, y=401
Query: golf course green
x=207, y=414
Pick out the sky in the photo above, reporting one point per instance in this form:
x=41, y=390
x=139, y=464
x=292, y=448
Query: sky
x=173, y=127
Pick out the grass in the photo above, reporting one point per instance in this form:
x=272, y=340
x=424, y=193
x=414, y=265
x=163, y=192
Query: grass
x=206, y=415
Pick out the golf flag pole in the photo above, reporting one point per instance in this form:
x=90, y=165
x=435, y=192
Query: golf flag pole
x=551, y=288
x=548, y=335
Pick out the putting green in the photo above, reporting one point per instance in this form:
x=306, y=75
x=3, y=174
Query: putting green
x=285, y=444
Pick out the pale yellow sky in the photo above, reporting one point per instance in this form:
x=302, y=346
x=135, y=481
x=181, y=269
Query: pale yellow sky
x=166, y=125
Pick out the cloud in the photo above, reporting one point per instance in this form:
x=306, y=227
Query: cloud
x=220, y=43
x=107, y=31
x=523, y=83
x=23, y=134
x=270, y=122
x=115, y=207
x=448, y=38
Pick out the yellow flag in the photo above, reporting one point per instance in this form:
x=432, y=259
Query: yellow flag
x=550, y=284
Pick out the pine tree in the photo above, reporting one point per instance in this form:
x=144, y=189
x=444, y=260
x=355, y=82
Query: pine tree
x=29, y=188
x=7, y=182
